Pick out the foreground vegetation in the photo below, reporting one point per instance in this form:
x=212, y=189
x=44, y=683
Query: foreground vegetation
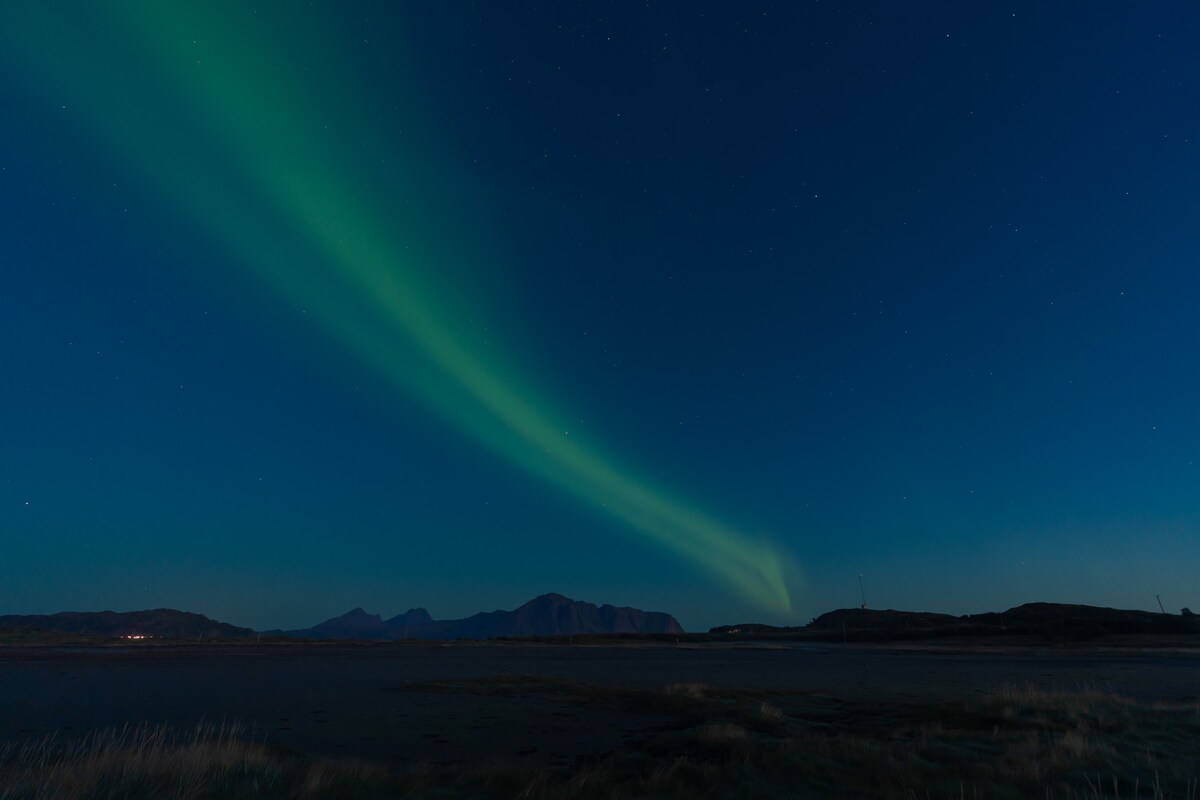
x=1016, y=743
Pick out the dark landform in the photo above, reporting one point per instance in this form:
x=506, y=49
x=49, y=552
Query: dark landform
x=1055, y=621
x=159, y=623
x=651, y=718
x=547, y=615
x=835, y=708
x=358, y=624
x=550, y=615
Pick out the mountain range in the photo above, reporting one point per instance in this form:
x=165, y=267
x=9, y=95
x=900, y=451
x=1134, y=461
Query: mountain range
x=555, y=615
x=547, y=615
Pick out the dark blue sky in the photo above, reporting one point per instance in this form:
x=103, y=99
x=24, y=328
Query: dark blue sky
x=906, y=293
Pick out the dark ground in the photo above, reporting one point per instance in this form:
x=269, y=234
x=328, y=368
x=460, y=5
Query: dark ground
x=384, y=702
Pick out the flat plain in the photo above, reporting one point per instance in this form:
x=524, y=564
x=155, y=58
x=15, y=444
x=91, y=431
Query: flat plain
x=1065, y=721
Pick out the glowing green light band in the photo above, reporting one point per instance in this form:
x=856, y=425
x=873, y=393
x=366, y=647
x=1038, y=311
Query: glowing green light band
x=204, y=106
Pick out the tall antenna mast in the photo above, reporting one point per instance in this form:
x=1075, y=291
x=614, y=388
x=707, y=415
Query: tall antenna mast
x=1160, y=608
x=862, y=591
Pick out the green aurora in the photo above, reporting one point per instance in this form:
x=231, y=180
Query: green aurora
x=211, y=106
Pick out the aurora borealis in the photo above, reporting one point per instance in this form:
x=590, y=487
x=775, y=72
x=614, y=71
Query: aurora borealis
x=885, y=348
x=360, y=282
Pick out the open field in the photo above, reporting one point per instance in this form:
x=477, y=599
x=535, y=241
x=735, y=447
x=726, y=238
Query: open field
x=506, y=720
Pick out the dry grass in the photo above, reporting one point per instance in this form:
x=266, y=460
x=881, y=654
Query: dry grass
x=693, y=689
x=1019, y=742
x=158, y=762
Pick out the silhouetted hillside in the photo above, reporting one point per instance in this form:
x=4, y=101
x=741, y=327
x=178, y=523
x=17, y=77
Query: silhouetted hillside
x=358, y=624
x=160, y=623
x=548, y=615
x=1057, y=621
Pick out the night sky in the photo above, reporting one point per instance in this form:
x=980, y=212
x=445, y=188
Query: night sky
x=703, y=308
